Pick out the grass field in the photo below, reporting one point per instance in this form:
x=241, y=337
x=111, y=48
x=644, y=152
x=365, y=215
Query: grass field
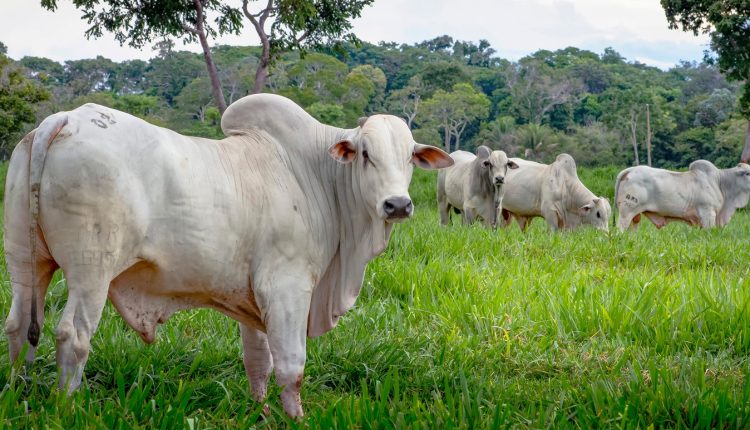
x=455, y=328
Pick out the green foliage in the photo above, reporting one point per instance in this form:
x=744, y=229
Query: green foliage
x=727, y=23
x=18, y=95
x=140, y=22
x=590, y=105
x=328, y=113
x=453, y=111
x=716, y=108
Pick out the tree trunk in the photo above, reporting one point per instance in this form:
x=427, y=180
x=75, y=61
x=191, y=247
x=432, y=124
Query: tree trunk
x=648, y=136
x=213, y=74
x=634, y=140
x=745, y=157
x=259, y=22
x=261, y=73
x=447, y=136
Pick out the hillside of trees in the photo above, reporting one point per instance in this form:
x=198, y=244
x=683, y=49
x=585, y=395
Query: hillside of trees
x=600, y=107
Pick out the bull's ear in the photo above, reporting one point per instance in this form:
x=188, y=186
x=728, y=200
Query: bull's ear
x=512, y=165
x=585, y=209
x=343, y=151
x=429, y=157
x=483, y=151
x=361, y=121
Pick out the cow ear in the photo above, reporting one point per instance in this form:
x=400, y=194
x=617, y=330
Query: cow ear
x=585, y=209
x=429, y=157
x=512, y=165
x=483, y=151
x=343, y=151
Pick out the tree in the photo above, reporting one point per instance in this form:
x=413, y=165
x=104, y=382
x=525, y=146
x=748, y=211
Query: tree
x=536, y=89
x=726, y=21
x=453, y=111
x=536, y=140
x=18, y=95
x=298, y=24
x=405, y=101
x=717, y=108
x=138, y=22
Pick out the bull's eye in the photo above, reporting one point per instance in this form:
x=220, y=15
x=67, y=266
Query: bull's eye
x=365, y=154
x=598, y=215
x=487, y=163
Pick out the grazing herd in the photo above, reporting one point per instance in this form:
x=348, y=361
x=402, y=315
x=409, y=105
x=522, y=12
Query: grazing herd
x=273, y=225
x=704, y=196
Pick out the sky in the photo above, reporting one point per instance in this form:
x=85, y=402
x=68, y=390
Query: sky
x=637, y=29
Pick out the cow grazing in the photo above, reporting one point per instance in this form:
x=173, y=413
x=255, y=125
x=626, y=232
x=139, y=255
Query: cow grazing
x=703, y=196
x=554, y=192
x=473, y=186
x=263, y=226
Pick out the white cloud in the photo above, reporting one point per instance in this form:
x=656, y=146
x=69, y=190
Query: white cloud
x=635, y=28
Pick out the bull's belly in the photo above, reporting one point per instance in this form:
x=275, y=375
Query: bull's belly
x=146, y=295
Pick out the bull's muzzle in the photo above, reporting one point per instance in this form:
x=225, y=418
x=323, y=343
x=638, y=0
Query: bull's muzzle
x=499, y=180
x=397, y=208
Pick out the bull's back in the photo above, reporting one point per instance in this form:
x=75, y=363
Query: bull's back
x=643, y=188
x=455, y=178
x=124, y=191
x=523, y=188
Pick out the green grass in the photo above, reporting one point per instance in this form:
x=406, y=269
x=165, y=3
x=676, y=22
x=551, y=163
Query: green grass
x=455, y=328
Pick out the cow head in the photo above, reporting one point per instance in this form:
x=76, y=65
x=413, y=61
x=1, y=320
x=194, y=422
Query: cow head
x=383, y=154
x=496, y=163
x=742, y=177
x=596, y=213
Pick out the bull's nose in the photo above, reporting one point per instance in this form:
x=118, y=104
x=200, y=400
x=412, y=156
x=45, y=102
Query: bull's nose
x=397, y=207
x=499, y=180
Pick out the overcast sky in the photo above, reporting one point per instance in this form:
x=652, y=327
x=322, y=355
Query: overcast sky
x=635, y=28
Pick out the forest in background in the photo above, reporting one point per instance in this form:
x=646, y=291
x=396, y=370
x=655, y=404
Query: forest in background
x=599, y=107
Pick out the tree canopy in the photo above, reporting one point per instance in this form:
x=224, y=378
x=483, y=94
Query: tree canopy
x=591, y=105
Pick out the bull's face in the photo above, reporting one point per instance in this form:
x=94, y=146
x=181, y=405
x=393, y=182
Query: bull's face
x=596, y=213
x=383, y=155
x=497, y=165
x=743, y=177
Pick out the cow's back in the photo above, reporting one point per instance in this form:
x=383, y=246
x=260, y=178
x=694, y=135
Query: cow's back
x=454, y=178
x=523, y=187
x=117, y=190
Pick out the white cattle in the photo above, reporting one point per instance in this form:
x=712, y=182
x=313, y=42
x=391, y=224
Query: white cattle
x=703, y=196
x=263, y=226
x=473, y=185
x=554, y=192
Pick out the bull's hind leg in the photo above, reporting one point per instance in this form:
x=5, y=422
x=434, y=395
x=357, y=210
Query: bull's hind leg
x=257, y=359
x=19, y=318
x=628, y=219
x=87, y=294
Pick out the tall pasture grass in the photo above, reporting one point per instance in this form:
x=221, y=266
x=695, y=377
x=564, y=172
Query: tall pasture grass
x=456, y=327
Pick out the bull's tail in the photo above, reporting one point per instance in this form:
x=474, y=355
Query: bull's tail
x=45, y=134
x=617, y=183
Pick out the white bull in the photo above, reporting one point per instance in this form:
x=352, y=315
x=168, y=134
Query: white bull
x=703, y=196
x=263, y=226
x=473, y=185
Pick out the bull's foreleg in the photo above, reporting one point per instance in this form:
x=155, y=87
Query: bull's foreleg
x=87, y=294
x=468, y=215
x=285, y=304
x=258, y=361
x=707, y=217
x=444, y=208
